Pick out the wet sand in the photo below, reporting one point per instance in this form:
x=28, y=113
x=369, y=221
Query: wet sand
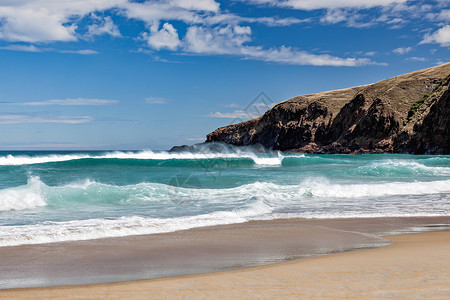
x=415, y=265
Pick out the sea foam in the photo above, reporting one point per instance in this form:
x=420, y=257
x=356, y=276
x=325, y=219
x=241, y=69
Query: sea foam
x=261, y=159
x=23, y=197
x=50, y=232
x=36, y=193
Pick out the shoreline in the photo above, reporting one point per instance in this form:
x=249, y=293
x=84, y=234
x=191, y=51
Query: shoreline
x=415, y=265
x=196, y=251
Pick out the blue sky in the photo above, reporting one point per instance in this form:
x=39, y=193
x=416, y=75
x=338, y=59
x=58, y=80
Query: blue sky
x=122, y=74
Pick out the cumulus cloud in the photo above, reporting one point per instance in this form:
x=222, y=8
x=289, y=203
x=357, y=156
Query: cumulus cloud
x=210, y=31
x=218, y=40
x=46, y=20
x=27, y=25
x=187, y=11
x=105, y=26
x=441, y=36
x=58, y=20
x=402, y=51
x=167, y=38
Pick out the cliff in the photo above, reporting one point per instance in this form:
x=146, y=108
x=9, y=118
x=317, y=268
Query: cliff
x=409, y=113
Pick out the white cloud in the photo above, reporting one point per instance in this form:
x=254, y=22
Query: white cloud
x=232, y=19
x=167, y=38
x=210, y=30
x=218, y=40
x=274, y=21
x=152, y=12
x=292, y=56
x=402, y=51
x=23, y=118
x=58, y=20
x=34, y=25
x=46, y=20
x=82, y=51
x=395, y=21
x=443, y=15
x=205, y=5
x=334, y=16
x=24, y=48
x=327, y=4
x=415, y=58
x=358, y=18
x=33, y=48
x=230, y=40
x=106, y=26
x=441, y=36
x=156, y=100
x=355, y=14
x=70, y=102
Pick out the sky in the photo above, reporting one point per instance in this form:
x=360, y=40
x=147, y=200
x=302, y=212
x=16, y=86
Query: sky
x=124, y=74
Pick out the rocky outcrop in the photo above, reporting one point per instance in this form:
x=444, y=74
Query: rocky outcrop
x=409, y=113
x=432, y=134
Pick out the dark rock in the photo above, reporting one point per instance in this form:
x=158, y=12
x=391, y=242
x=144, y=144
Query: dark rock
x=183, y=148
x=432, y=135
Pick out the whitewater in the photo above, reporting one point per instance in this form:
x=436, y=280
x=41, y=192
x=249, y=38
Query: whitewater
x=50, y=197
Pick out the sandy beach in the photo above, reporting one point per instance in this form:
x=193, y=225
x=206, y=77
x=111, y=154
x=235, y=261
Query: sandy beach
x=414, y=266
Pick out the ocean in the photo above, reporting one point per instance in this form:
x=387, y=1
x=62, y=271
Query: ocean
x=58, y=196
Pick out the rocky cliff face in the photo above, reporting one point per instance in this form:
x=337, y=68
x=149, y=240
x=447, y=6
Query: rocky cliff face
x=409, y=113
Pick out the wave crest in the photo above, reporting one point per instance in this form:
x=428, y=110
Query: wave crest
x=23, y=197
x=311, y=198
x=36, y=193
x=258, y=159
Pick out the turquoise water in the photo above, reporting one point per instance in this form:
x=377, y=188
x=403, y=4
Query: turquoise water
x=60, y=196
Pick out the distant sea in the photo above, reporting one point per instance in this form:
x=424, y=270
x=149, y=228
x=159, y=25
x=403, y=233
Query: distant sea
x=64, y=196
